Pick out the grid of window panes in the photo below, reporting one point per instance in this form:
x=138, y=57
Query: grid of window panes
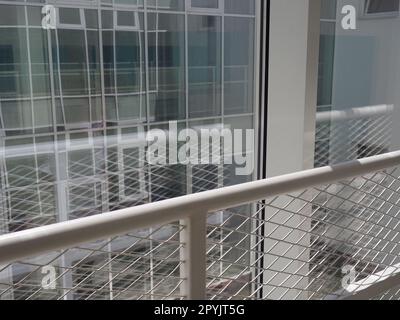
x=75, y=100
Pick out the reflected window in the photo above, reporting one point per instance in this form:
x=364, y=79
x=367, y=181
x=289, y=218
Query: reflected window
x=206, y=4
x=205, y=66
x=14, y=66
x=16, y=115
x=70, y=17
x=239, y=65
x=127, y=20
x=91, y=19
x=166, y=53
x=72, y=64
x=177, y=5
x=12, y=15
x=240, y=6
x=381, y=7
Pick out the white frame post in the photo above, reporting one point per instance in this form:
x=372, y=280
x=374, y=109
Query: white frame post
x=193, y=256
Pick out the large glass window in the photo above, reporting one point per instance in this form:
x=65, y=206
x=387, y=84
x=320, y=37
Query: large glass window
x=358, y=108
x=76, y=102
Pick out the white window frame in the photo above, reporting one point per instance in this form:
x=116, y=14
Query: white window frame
x=365, y=15
x=220, y=8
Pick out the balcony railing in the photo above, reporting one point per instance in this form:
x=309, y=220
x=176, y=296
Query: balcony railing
x=288, y=237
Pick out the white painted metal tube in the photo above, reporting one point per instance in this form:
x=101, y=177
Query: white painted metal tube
x=355, y=113
x=194, y=257
x=28, y=243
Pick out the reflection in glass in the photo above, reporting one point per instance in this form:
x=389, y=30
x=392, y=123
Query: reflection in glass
x=129, y=61
x=207, y=4
x=39, y=56
x=204, y=33
x=166, y=67
x=240, y=6
x=239, y=65
x=14, y=66
x=177, y=5
x=43, y=115
x=74, y=102
x=72, y=62
x=17, y=115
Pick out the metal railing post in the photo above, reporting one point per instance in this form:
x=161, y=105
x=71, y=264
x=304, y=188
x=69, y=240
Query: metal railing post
x=193, y=256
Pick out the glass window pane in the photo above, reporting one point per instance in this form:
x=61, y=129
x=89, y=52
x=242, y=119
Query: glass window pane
x=138, y=3
x=166, y=67
x=21, y=171
x=209, y=4
x=111, y=110
x=239, y=65
x=240, y=6
x=328, y=9
x=107, y=19
x=12, y=15
x=17, y=115
x=39, y=62
x=14, y=67
x=94, y=61
x=69, y=16
x=177, y=5
x=127, y=19
x=73, y=65
x=130, y=61
x=76, y=111
x=91, y=19
x=108, y=61
x=35, y=16
x=382, y=6
x=204, y=66
x=43, y=115
x=131, y=107
x=327, y=51
x=80, y=163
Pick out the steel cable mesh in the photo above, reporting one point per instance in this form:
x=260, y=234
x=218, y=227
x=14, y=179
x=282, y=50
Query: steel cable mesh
x=296, y=246
x=144, y=264
x=288, y=247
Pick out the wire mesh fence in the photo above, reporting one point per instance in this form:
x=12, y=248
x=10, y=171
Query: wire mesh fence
x=318, y=243
x=324, y=242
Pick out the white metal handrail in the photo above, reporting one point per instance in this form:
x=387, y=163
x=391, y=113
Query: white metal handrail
x=192, y=210
x=355, y=113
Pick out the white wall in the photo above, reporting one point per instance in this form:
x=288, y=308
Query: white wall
x=292, y=98
x=293, y=61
